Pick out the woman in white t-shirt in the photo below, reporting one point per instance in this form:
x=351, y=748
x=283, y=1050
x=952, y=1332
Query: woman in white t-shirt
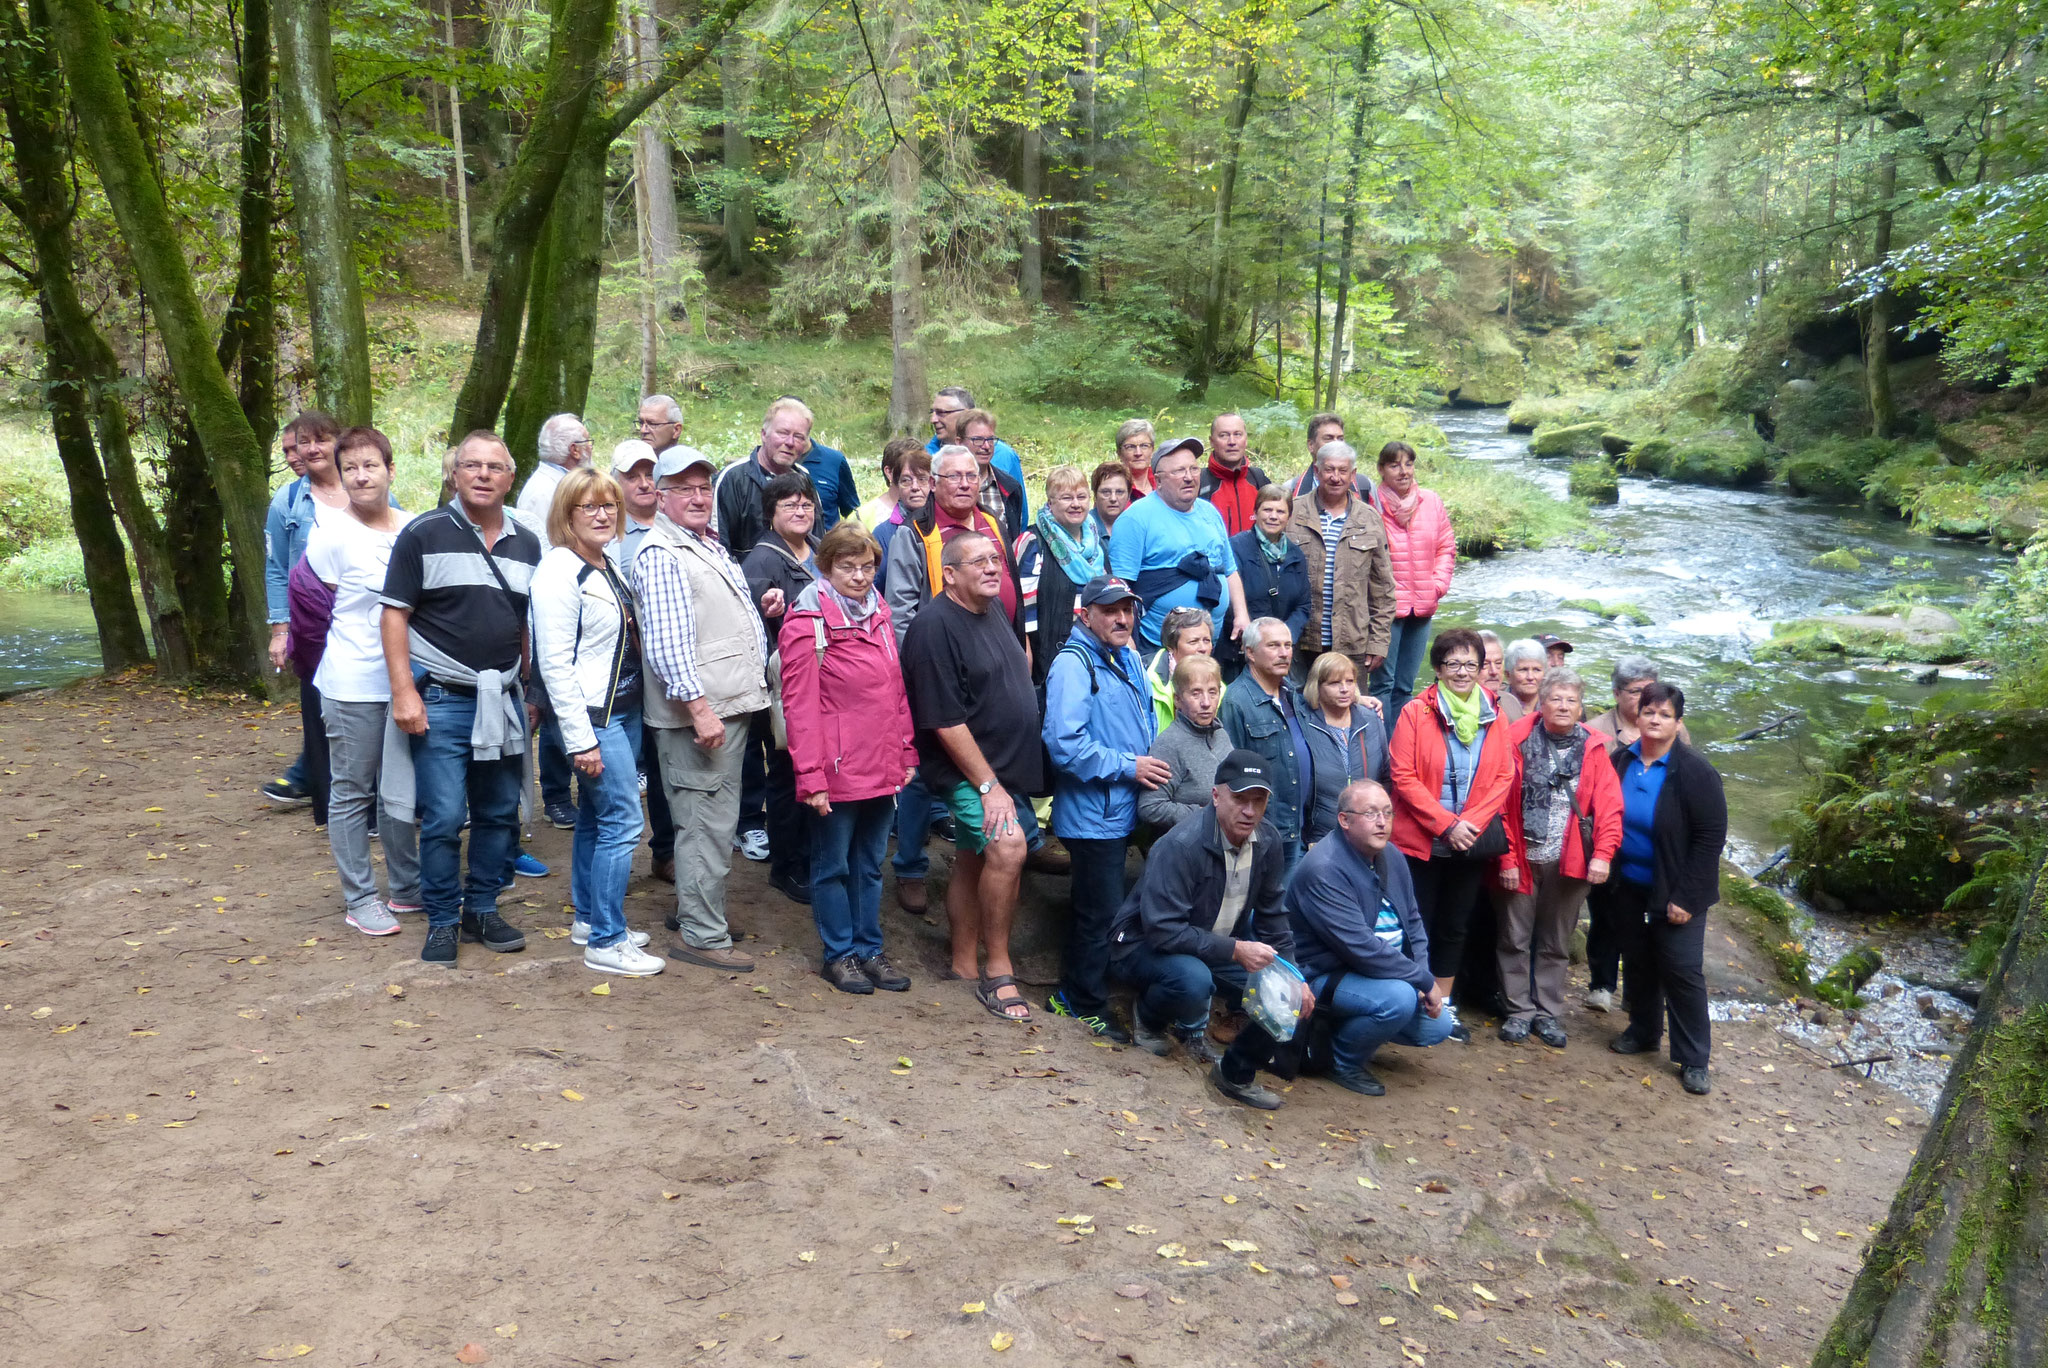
x=350, y=552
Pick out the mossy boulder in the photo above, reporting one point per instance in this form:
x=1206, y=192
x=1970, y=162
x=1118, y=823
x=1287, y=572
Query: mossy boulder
x=1837, y=467
x=1618, y=612
x=1725, y=456
x=1895, y=479
x=1807, y=411
x=1482, y=368
x=1771, y=922
x=1971, y=501
x=1841, y=558
x=1595, y=481
x=1923, y=634
x=1578, y=441
x=1530, y=412
x=2013, y=440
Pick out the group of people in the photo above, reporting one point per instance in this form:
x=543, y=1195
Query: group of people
x=1210, y=665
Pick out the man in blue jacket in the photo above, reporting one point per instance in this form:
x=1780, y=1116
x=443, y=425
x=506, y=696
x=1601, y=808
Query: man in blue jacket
x=1262, y=712
x=1360, y=942
x=1205, y=916
x=1099, y=726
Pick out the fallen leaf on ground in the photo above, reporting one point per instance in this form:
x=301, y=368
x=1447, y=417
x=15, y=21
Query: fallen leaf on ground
x=808, y=1256
x=1172, y=1250
x=1034, y=1164
x=1340, y=1281
x=1130, y=1117
x=1113, y=1184
x=507, y=1330
x=1434, y=1186
x=1083, y=1332
x=1368, y=1183
x=40, y=1013
x=1347, y=1299
x=1141, y=1230
x=1072, y=1220
x=1809, y=1234
x=1132, y=1291
x=1483, y=1294
x=901, y=1334
x=1230, y=1199
x=1388, y=1320
x=1239, y=1246
x=538, y=1145
x=973, y=1308
x=285, y=1351
x=472, y=1353
x=395, y=990
x=952, y=1210
x=1001, y=1340
x=572, y=1094
x=1446, y=1312
x=602, y=990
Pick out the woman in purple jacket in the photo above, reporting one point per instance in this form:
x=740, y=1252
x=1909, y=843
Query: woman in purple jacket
x=850, y=743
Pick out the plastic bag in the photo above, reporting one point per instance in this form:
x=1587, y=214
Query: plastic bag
x=1273, y=997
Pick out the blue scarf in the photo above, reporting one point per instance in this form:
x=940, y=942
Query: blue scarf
x=1081, y=560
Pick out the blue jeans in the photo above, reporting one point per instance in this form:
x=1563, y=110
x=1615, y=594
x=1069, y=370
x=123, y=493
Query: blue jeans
x=1372, y=1012
x=553, y=763
x=1097, y=888
x=916, y=810
x=847, y=845
x=607, y=831
x=1175, y=990
x=448, y=786
x=1393, y=683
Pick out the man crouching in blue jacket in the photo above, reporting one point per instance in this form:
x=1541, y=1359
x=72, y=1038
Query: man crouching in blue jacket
x=1099, y=728
x=1361, y=943
x=1206, y=915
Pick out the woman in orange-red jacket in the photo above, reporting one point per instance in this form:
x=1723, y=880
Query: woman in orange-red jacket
x=1564, y=788
x=1453, y=778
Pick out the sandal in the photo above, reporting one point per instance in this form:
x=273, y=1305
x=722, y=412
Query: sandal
x=987, y=989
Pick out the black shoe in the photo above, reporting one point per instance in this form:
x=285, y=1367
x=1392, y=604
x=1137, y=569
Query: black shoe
x=1546, y=1029
x=1626, y=1044
x=440, y=946
x=664, y=870
x=1200, y=1048
x=1252, y=1094
x=1461, y=1033
x=883, y=974
x=791, y=887
x=845, y=975
x=1361, y=1080
x=493, y=932
x=1693, y=1078
x=672, y=922
x=1514, y=1031
x=561, y=816
x=373, y=825
x=1101, y=1024
x=284, y=793
x=1149, y=1040
x=946, y=829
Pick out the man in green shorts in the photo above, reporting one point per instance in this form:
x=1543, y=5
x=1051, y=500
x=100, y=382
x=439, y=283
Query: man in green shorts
x=977, y=746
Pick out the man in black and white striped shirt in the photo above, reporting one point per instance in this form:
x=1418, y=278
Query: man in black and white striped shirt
x=455, y=645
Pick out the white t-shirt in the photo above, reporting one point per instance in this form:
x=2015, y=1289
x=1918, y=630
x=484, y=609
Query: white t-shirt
x=538, y=497
x=353, y=559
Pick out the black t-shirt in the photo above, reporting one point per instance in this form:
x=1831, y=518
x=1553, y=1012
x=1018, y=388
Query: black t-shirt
x=440, y=571
x=964, y=667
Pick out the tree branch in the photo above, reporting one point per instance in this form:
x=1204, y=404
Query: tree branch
x=696, y=48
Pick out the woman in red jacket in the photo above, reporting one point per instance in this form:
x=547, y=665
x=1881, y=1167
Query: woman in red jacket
x=1453, y=775
x=1424, y=554
x=850, y=743
x=1566, y=790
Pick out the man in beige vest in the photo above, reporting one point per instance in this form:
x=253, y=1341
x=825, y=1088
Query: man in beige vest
x=706, y=659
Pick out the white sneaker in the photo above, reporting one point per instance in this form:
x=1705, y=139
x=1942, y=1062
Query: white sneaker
x=373, y=919
x=1599, y=1000
x=753, y=844
x=579, y=934
x=624, y=958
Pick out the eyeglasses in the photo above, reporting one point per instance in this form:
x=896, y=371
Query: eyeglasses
x=687, y=491
x=983, y=562
x=494, y=467
x=592, y=510
x=959, y=477
x=938, y=412
x=1371, y=814
x=644, y=423
x=1461, y=667
x=987, y=440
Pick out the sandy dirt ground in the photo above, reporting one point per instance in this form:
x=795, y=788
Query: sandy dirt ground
x=237, y=1131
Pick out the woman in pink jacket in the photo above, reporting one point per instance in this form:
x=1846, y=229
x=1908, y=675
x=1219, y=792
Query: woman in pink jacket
x=1424, y=553
x=850, y=743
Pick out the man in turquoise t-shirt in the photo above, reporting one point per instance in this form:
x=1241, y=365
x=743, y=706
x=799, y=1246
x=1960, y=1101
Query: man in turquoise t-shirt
x=1161, y=553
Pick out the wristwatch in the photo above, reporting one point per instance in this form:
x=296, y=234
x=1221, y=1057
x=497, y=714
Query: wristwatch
x=984, y=787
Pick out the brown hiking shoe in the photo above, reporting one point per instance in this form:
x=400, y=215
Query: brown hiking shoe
x=726, y=957
x=910, y=896
x=665, y=870
x=1050, y=858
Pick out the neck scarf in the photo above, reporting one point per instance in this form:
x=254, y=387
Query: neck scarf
x=1464, y=712
x=1402, y=510
x=1550, y=766
x=1274, y=548
x=1082, y=558
x=855, y=611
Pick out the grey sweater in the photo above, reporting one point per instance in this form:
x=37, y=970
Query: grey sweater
x=1194, y=752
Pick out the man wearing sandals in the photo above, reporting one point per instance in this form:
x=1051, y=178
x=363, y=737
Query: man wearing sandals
x=978, y=748
x=1205, y=916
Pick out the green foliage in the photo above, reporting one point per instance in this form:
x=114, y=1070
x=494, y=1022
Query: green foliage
x=1836, y=467
x=1996, y=892
x=1093, y=363
x=1841, y=558
x=2012, y=627
x=1984, y=271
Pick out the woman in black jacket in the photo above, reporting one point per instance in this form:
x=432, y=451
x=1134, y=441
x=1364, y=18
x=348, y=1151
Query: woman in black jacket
x=1274, y=571
x=780, y=567
x=1674, y=823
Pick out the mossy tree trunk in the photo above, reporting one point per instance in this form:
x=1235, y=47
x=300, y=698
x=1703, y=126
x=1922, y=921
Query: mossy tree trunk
x=318, y=158
x=561, y=317
x=249, y=332
x=234, y=458
x=1220, y=260
x=909, y=392
x=735, y=87
x=1368, y=58
x=1958, y=1276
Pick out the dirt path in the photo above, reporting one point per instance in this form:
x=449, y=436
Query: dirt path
x=236, y=1127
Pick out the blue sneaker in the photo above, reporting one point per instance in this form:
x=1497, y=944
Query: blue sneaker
x=526, y=867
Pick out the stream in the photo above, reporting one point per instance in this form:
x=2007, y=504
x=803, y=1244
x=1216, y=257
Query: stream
x=46, y=638
x=1713, y=569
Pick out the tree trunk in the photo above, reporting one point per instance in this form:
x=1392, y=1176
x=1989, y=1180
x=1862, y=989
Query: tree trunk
x=1087, y=278
x=1688, y=289
x=908, y=391
x=1219, y=228
x=249, y=332
x=561, y=319
x=1368, y=57
x=739, y=221
x=1958, y=1276
x=122, y=643
x=653, y=168
x=194, y=532
x=320, y=210
x=1030, y=177
x=1877, y=319
x=235, y=460
x=460, y=173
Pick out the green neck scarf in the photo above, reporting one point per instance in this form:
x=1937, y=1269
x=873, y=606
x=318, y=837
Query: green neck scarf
x=1274, y=548
x=1464, y=713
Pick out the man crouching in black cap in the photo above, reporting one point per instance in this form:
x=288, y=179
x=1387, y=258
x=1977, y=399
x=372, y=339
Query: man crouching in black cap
x=1205, y=915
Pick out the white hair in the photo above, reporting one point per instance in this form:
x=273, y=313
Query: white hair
x=952, y=449
x=1560, y=677
x=671, y=411
x=1255, y=634
x=1338, y=450
x=1521, y=649
x=558, y=434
